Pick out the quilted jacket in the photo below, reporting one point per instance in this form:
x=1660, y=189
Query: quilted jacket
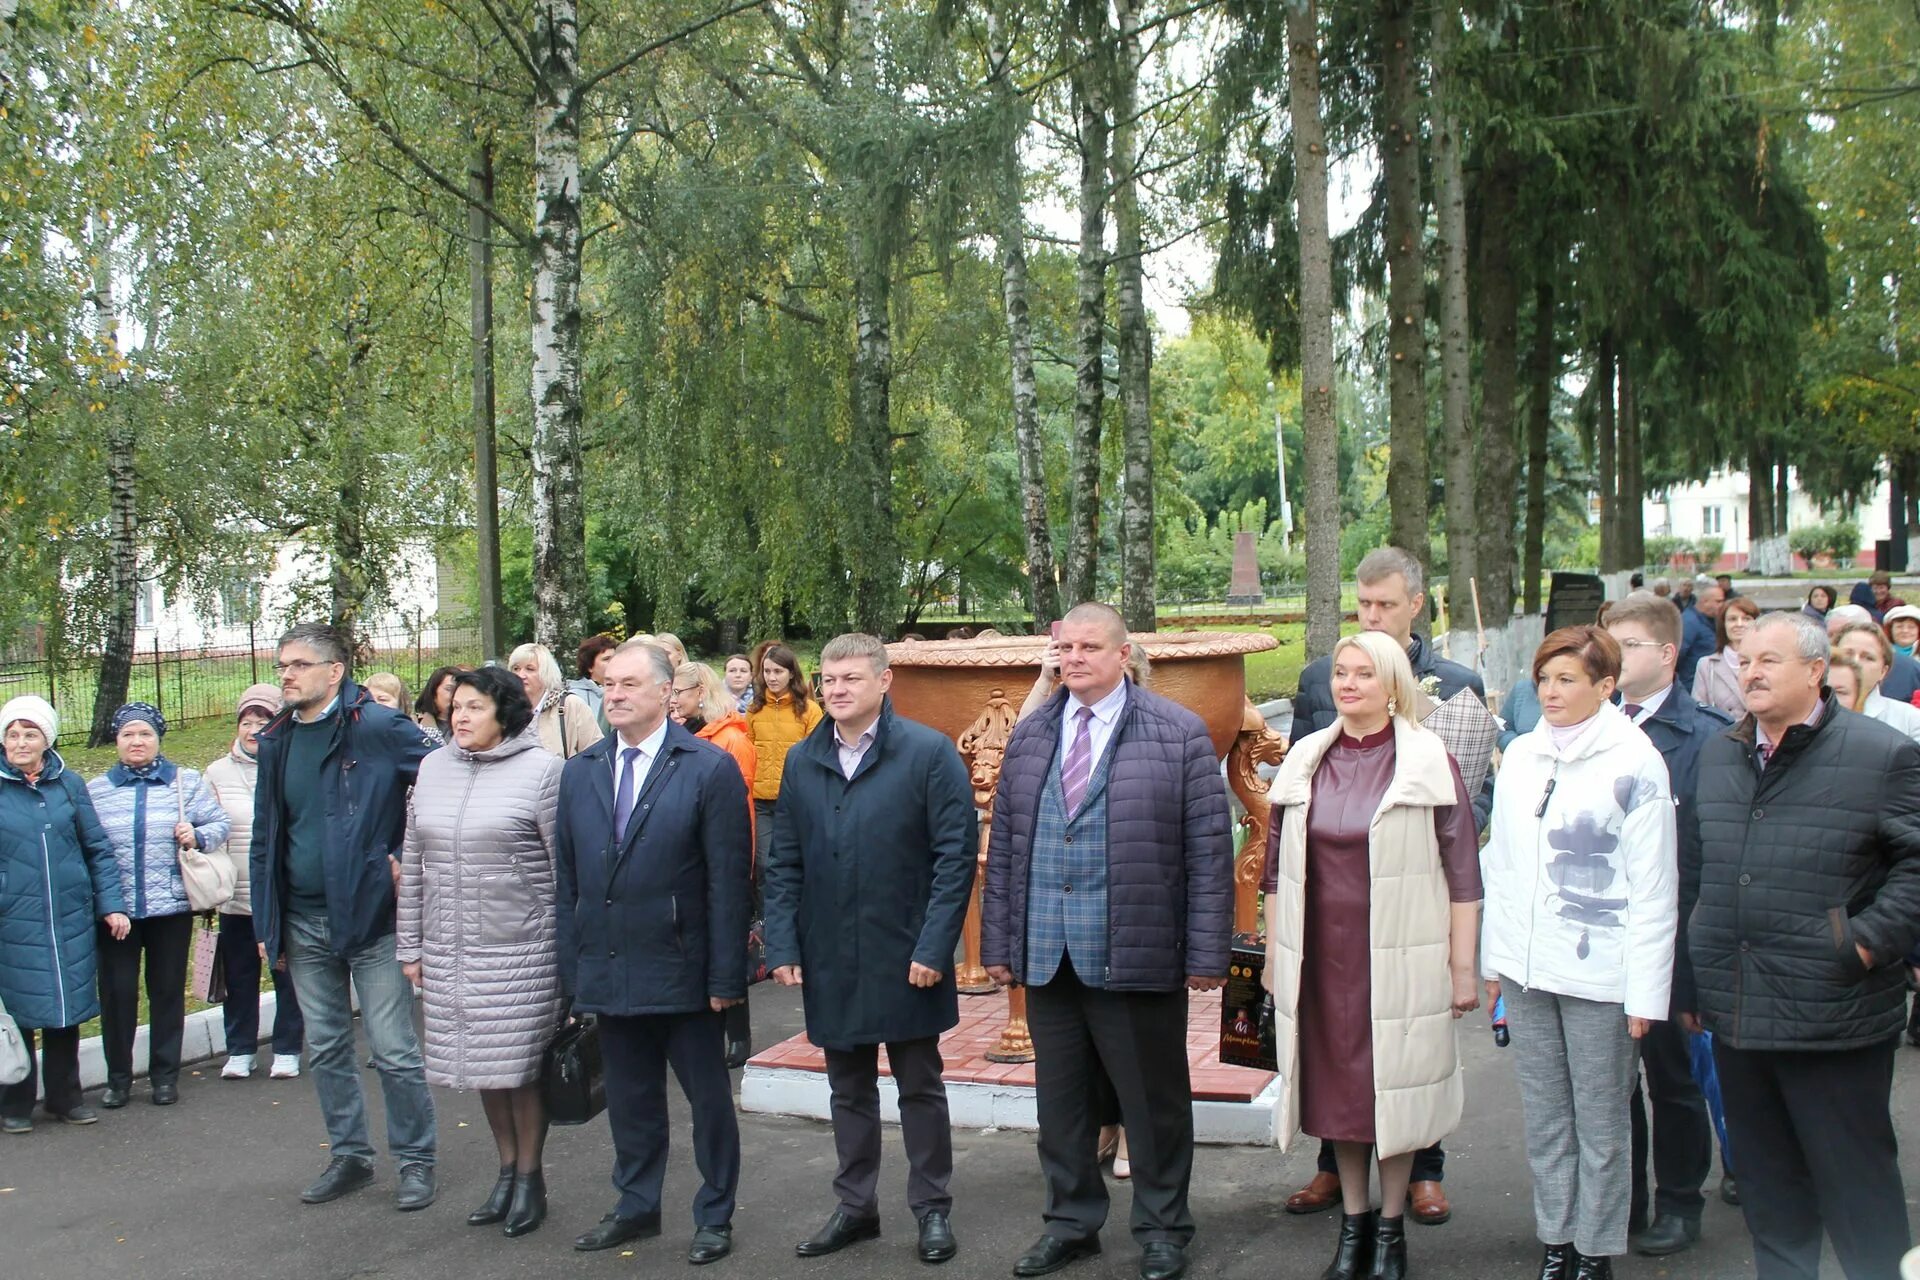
x=476, y=909
x=233, y=778
x=140, y=811
x=1169, y=849
x=1796, y=865
x=57, y=877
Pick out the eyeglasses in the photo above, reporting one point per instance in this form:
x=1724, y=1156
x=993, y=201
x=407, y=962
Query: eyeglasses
x=298, y=666
x=1642, y=644
x=692, y=688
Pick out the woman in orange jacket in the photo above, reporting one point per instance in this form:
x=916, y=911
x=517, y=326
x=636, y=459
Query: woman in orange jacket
x=702, y=704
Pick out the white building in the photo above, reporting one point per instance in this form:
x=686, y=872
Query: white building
x=171, y=624
x=1717, y=508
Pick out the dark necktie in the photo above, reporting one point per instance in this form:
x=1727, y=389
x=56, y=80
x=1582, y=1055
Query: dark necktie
x=623, y=800
x=1633, y=710
x=1078, y=766
x=1766, y=753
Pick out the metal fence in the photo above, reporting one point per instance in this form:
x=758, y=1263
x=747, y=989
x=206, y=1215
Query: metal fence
x=203, y=684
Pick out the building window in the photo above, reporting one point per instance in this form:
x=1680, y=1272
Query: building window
x=146, y=604
x=1710, y=518
x=239, y=603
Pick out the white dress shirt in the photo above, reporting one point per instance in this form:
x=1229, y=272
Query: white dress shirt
x=1650, y=706
x=1106, y=714
x=649, y=748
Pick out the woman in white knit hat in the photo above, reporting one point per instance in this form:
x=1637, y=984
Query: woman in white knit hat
x=59, y=873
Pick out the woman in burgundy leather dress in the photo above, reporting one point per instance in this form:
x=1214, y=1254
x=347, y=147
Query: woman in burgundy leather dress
x=1372, y=924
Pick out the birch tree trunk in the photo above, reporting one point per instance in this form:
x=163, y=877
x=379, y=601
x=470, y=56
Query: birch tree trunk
x=1456, y=395
x=1043, y=589
x=1499, y=324
x=1606, y=434
x=1540, y=377
x=123, y=550
x=1136, y=338
x=873, y=562
x=1399, y=135
x=1321, y=444
x=560, y=591
x=347, y=567
x=1090, y=330
x=486, y=479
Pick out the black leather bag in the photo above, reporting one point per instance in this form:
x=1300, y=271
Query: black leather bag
x=572, y=1080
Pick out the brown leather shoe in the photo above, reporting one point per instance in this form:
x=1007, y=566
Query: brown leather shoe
x=1429, y=1203
x=1317, y=1196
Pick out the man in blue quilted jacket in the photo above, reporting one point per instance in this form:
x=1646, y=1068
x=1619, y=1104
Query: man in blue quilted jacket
x=1109, y=895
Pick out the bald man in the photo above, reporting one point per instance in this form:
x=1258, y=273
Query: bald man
x=1109, y=895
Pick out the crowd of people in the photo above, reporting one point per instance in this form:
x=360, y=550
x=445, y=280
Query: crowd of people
x=1659, y=867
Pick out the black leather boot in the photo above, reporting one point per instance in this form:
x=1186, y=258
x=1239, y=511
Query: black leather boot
x=529, y=1207
x=1389, y=1249
x=1352, y=1255
x=1593, y=1268
x=1557, y=1264
x=495, y=1207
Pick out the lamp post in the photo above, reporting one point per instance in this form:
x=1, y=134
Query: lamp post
x=1280, y=455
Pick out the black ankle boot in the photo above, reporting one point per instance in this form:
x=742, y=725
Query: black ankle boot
x=1389, y=1249
x=1352, y=1254
x=1557, y=1264
x=1592, y=1268
x=495, y=1206
x=529, y=1208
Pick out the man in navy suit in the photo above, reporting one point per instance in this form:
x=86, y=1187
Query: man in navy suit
x=651, y=864
x=1650, y=635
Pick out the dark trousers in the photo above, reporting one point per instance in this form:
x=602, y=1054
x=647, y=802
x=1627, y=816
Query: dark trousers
x=854, y=1077
x=1815, y=1135
x=1682, y=1142
x=1429, y=1163
x=59, y=1061
x=637, y=1052
x=164, y=941
x=240, y=959
x=1139, y=1039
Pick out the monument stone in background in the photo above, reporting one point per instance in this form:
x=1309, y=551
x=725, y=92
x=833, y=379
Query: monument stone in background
x=1244, y=587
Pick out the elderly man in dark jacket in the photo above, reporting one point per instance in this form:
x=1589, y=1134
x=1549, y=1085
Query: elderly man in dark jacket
x=1392, y=598
x=1109, y=894
x=1803, y=896
x=330, y=816
x=651, y=867
x=1681, y=1142
x=867, y=884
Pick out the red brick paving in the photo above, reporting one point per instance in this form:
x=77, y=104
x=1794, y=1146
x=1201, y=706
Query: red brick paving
x=981, y=1019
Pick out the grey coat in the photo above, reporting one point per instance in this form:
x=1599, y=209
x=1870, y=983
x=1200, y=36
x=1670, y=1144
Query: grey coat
x=476, y=909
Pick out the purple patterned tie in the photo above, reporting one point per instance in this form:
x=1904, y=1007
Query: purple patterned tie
x=1078, y=766
x=1632, y=710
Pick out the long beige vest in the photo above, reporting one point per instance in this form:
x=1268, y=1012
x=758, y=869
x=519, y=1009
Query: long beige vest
x=1417, y=1085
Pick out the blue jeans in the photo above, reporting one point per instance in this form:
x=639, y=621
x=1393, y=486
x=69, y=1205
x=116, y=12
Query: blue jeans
x=386, y=1009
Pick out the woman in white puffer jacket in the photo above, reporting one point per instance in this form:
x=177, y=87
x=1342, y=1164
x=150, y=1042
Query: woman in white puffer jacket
x=1581, y=909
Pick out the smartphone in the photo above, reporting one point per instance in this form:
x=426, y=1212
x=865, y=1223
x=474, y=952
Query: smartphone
x=1053, y=631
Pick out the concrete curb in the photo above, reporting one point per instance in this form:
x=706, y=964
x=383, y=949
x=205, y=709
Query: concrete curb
x=785, y=1092
x=205, y=1037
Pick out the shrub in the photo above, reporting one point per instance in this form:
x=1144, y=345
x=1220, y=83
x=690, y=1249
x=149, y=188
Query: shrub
x=1808, y=541
x=1707, y=553
x=1662, y=550
x=1843, y=541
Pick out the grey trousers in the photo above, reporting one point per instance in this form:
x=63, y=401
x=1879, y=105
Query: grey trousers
x=1576, y=1065
x=854, y=1078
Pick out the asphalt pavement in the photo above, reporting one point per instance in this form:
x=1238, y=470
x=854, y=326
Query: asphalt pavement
x=210, y=1188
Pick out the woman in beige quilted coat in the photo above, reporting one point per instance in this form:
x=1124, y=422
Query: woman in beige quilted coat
x=476, y=925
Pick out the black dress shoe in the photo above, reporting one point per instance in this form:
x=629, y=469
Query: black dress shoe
x=710, y=1244
x=115, y=1097
x=165, y=1095
x=936, y=1238
x=841, y=1230
x=1162, y=1260
x=494, y=1208
x=1593, y=1268
x=416, y=1187
x=1354, y=1250
x=614, y=1230
x=1050, y=1253
x=1670, y=1233
x=529, y=1207
x=344, y=1174
x=78, y=1115
x=1389, y=1249
x=1557, y=1262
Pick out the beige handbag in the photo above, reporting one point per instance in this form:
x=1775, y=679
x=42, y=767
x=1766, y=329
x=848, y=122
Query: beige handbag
x=207, y=875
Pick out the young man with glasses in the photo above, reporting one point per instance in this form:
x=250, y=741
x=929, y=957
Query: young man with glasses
x=1649, y=631
x=331, y=812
